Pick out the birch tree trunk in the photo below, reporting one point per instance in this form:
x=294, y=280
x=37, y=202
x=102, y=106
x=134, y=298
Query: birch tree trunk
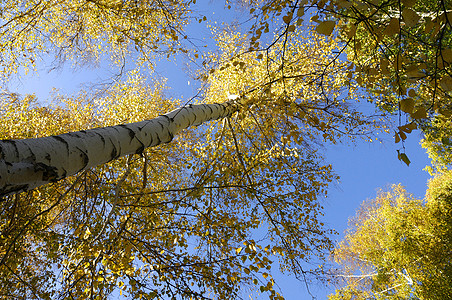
x=29, y=163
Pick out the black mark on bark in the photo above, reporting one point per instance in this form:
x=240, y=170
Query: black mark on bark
x=84, y=157
x=62, y=140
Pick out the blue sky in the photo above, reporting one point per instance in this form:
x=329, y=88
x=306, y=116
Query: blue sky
x=363, y=167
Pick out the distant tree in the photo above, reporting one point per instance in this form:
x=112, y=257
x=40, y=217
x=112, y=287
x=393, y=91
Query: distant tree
x=398, y=247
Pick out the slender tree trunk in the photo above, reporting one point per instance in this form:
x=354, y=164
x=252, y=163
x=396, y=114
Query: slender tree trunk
x=29, y=163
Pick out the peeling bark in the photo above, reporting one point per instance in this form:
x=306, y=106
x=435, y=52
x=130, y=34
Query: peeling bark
x=29, y=163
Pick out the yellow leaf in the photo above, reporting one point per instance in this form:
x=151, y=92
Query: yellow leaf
x=402, y=135
x=326, y=27
x=238, y=250
x=421, y=113
x=129, y=272
x=409, y=3
x=445, y=112
x=287, y=18
x=407, y=128
x=384, y=64
x=403, y=157
x=87, y=234
x=411, y=126
x=410, y=17
x=392, y=28
x=414, y=71
x=352, y=31
x=411, y=93
x=300, y=12
x=407, y=105
x=344, y=4
x=447, y=55
x=446, y=83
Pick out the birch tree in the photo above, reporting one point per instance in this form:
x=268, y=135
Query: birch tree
x=84, y=32
x=396, y=246
x=402, y=52
x=183, y=220
x=398, y=51
x=209, y=214
x=131, y=225
x=26, y=164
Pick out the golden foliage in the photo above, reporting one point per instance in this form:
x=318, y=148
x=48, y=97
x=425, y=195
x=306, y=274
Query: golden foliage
x=395, y=246
x=86, y=31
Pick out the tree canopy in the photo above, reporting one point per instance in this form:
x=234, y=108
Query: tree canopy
x=398, y=51
x=398, y=247
x=213, y=212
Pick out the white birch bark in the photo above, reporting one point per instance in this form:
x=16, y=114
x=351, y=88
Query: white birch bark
x=29, y=163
